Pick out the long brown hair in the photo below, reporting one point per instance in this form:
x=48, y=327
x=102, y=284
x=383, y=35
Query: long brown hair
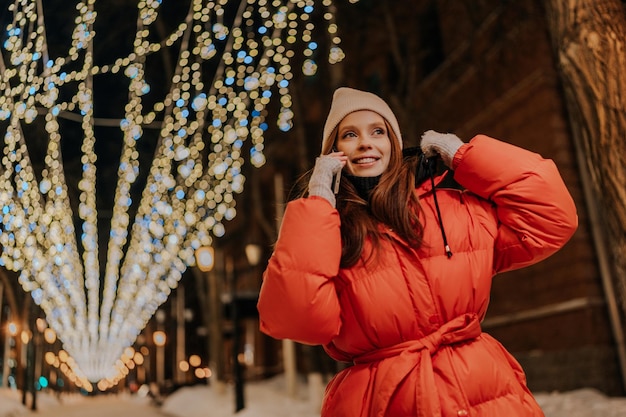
x=393, y=203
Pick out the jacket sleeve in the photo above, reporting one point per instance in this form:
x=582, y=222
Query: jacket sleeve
x=298, y=300
x=535, y=211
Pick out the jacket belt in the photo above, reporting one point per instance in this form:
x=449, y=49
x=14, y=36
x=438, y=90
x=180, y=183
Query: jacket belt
x=415, y=355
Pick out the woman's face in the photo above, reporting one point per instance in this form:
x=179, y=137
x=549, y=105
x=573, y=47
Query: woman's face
x=362, y=136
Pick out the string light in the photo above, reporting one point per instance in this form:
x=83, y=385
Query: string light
x=194, y=177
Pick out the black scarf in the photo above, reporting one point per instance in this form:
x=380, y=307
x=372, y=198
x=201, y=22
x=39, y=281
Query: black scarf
x=363, y=185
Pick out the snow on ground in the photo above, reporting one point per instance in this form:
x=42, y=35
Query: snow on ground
x=264, y=399
x=581, y=403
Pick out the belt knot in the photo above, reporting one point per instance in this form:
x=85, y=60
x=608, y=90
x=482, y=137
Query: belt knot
x=415, y=355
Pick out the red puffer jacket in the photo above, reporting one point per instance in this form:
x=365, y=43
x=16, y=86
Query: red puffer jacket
x=410, y=323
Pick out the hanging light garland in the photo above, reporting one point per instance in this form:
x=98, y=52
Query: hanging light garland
x=195, y=174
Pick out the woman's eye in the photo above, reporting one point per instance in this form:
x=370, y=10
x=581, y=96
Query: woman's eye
x=379, y=131
x=348, y=135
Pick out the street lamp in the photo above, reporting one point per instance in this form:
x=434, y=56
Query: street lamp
x=237, y=371
x=11, y=333
x=159, y=337
x=205, y=260
x=253, y=255
x=38, y=353
x=25, y=338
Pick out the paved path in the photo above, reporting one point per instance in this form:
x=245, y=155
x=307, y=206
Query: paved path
x=105, y=406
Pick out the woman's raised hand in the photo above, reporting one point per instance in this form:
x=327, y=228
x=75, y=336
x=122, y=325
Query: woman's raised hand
x=321, y=182
x=442, y=144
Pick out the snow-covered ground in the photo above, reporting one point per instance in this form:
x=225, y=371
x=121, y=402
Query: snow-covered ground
x=262, y=399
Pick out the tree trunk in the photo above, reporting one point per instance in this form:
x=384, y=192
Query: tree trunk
x=589, y=40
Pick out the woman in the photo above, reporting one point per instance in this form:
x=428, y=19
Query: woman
x=393, y=273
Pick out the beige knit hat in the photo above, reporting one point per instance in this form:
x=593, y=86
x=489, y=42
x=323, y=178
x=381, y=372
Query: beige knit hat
x=348, y=100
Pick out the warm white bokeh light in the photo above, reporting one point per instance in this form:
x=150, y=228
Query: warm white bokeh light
x=204, y=122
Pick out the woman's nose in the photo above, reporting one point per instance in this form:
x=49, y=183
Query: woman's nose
x=365, y=142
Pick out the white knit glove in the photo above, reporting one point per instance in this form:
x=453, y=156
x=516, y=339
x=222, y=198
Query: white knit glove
x=442, y=144
x=321, y=180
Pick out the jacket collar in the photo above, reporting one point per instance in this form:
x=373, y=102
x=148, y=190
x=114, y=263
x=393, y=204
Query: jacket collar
x=425, y=186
